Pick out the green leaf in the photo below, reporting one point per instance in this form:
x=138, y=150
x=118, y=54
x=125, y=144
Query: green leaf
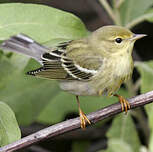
x=64, y=103
x=122, y=135
x=80, y=146
x=146, y=72
x=27, y=95
x=150, y=19
x=144, y=149
x=117, y=145
x=132, y=11
x=41, y=22
x=9, y=130
x=151, y=140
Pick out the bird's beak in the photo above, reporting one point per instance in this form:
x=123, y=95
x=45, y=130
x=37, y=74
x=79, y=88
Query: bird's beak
x=137, y=36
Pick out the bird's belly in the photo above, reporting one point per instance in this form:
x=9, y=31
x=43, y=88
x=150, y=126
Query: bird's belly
x=80, y=88
x=90, y=89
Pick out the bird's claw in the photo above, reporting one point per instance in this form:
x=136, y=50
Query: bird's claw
x=83, y=119
x=124, y=103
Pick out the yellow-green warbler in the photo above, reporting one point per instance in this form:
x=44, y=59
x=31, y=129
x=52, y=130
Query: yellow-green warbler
x=92, y=66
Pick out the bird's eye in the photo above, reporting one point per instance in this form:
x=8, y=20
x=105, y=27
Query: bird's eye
x=118, y=40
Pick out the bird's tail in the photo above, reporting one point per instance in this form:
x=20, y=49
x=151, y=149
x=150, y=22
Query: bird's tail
x=24, y=45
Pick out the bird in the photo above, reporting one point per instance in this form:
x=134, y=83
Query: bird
x=95, y=65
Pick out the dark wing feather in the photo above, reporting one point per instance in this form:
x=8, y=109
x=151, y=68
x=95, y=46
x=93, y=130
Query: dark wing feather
x=57, y=66
x=52, y=68
x=75, y=70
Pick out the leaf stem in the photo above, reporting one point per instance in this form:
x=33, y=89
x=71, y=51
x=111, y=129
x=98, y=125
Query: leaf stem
x=139, y=20
x=137, y=85
x=130, y=88
x=109, y=10
x=117, y=13
x=118, y=3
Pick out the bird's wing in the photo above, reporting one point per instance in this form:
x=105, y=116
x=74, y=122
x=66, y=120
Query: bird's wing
x=59, y=64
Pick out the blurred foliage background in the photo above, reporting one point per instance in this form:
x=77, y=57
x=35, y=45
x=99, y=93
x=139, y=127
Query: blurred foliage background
x=38, y=103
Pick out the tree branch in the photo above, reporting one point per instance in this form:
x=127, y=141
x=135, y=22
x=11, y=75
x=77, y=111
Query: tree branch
x=72, y=124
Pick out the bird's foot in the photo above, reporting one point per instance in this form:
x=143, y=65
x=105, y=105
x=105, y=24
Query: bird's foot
x=124, y=103
x=83, y=119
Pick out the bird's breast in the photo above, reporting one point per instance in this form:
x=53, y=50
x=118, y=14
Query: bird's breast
x=123, y=66
x=113, y=73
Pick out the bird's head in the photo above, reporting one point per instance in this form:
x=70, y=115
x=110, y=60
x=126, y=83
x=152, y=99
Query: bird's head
x=114, y=39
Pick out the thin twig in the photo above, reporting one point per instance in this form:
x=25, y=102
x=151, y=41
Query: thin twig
x=104, y=18
x=72, y=124
x=117, y=12
x=109, y=10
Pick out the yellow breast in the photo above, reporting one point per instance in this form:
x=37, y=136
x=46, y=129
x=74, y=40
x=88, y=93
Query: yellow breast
x=113, y=74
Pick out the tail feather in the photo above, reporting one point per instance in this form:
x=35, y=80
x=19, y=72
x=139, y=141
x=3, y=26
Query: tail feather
x=24, y=45
x=34, y=72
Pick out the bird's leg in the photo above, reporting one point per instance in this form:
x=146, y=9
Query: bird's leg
x=124, y=103
x=83, y=117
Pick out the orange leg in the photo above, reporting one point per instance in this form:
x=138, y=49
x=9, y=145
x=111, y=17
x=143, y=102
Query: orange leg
x=124, y=103
x=83, y=117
